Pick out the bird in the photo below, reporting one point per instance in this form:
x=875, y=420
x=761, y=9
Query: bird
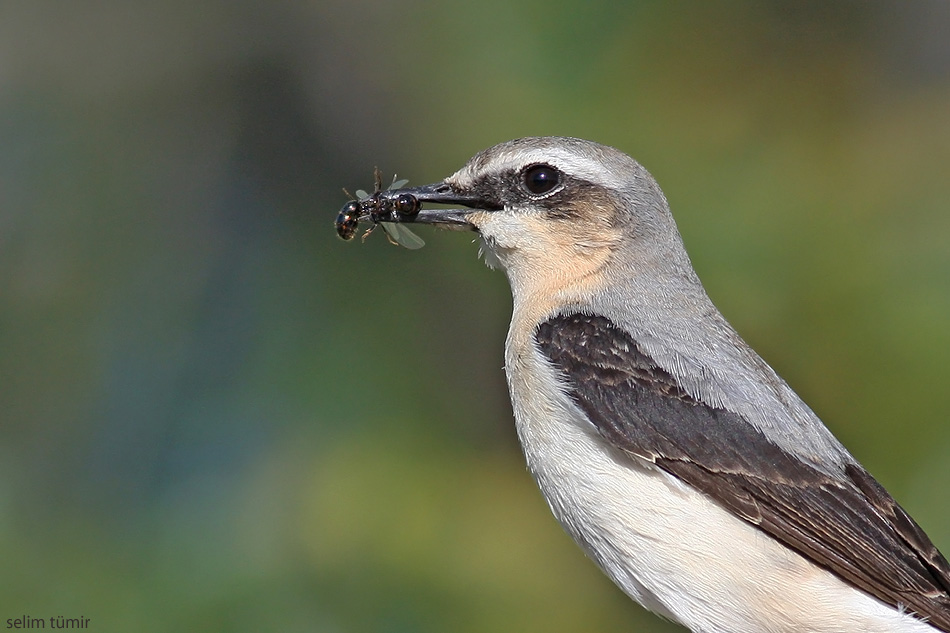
x=676, y=457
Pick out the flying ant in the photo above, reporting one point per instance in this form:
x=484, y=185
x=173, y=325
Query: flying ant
x=382, y=210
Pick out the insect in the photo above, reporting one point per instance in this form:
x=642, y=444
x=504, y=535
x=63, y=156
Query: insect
x=382, y=210
x=349, y=219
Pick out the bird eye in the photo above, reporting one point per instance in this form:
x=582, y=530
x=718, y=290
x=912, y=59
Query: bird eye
x=540, y=179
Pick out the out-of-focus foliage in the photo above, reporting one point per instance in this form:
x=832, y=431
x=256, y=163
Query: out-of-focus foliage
x=215, y=416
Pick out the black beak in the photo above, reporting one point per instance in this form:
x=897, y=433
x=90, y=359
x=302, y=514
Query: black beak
x=417, y=199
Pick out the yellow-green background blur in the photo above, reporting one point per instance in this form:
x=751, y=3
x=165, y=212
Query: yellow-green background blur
x=216, y=416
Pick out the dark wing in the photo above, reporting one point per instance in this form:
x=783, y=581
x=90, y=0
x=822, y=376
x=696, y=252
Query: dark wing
x=850, y=526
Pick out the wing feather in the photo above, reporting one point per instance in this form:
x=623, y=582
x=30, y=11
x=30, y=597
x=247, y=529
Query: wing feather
x=849, y=524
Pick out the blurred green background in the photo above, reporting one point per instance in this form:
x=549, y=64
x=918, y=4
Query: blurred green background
x=216, y=416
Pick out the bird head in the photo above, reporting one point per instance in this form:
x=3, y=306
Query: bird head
x=555, y=213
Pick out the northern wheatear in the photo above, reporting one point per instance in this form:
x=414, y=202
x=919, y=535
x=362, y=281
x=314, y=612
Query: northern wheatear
x=674, y=455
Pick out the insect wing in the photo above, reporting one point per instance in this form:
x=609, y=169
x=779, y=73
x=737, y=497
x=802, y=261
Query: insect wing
x=399, y=234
